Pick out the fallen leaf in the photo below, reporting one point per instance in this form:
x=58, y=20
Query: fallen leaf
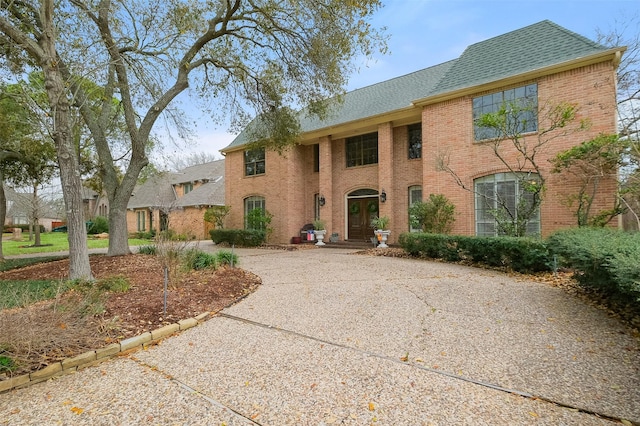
x=626, y=422
x=372, y=407
x=532, y=414
x=405, y=358
x=77, y=410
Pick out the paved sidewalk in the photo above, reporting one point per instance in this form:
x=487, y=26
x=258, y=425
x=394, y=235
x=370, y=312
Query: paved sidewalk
x=336, y=338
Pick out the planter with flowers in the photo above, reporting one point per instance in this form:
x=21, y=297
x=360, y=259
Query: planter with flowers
x=319, y=231
x=381, y=229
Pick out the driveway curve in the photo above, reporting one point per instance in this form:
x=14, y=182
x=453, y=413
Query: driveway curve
x=332, y=337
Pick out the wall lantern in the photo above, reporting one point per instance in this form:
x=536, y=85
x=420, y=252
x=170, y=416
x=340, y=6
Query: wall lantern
x=383, y=196
x=321, y=200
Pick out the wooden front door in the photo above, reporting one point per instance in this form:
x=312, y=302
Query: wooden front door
x=361, y=212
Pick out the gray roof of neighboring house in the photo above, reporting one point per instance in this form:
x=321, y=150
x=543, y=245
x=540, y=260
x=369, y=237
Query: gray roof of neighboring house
x=527, y=49
x=154, y=192
x=158, y=191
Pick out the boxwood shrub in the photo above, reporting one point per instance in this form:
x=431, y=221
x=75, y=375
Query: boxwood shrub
x=603, y=258
x=239, y=237
x=520, y=254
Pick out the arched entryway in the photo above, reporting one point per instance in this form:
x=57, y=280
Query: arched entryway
x=362, y=207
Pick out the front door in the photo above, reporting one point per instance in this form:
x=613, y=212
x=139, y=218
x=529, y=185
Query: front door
x=361, y=212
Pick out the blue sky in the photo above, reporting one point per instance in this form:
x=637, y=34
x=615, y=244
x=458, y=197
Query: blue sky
x=428, y=32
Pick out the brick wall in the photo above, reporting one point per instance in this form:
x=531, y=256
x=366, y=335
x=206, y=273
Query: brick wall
x=290, y=183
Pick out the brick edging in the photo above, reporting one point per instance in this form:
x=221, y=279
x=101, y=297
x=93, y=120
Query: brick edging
x=91, y=358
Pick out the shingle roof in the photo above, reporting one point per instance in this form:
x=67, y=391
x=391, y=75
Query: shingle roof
x=158, y=191
x=536, y=46
x=533, y=47
x=153, y=193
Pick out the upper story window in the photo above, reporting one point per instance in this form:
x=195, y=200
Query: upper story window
x=415, y=140
x=254, y=162
x=362, y=150
x=518, y=109
x=187, y=188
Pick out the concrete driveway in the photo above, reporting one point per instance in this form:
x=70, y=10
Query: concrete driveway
x=337, y=338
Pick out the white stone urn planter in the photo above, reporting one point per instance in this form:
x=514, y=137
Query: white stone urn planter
x=382, y=236
x=320, y=233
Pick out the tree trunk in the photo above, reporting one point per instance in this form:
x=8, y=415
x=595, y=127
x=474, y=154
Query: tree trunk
x=3, y=211
x=118, y=234
x=79, y=267
x=119, y=194
x=36, y=218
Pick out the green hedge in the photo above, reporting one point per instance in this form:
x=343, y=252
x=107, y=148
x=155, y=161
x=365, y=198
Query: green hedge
x=239, y=237
x=519, y=254
x=603, y=258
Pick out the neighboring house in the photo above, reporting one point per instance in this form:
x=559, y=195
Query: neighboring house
x=378, y=152
x=94, y=204
x=20, y=206
x=177, y=201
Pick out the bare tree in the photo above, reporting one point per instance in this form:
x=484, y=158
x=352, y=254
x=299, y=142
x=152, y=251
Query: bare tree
x=520, y=156
x=626, y=32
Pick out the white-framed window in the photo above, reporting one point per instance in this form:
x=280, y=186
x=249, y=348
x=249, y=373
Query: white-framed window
x=502, y=200
x=521, y=104
x=252, y=203
x=415, y=195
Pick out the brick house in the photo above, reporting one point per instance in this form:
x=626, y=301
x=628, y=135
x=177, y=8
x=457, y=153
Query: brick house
x=378, y=152
x=177, y=201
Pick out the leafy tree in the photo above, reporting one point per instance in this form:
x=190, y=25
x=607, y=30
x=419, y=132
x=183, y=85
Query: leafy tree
x=216, y=215
x=29, y=157
x=520, y=156
x=436, y=215
x=591, y=162
x=260, y=220
x=255, y=57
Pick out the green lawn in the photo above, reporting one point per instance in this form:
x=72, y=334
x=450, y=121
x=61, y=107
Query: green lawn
x=52, y=242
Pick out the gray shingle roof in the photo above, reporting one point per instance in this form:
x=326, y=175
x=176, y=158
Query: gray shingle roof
x=153, y=193
x=536, y=46
x=533, y=47
x=158, y=191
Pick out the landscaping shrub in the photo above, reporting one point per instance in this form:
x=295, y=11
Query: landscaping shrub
x=435, y=215
x=226, y=257
x=198, y=259
x=520, y=254
x=150, y=249
x=602, y=258
x=238, y=237
x=98, y=225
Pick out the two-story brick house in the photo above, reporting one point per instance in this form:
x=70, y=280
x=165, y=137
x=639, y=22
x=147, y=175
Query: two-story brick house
x=378, y=152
